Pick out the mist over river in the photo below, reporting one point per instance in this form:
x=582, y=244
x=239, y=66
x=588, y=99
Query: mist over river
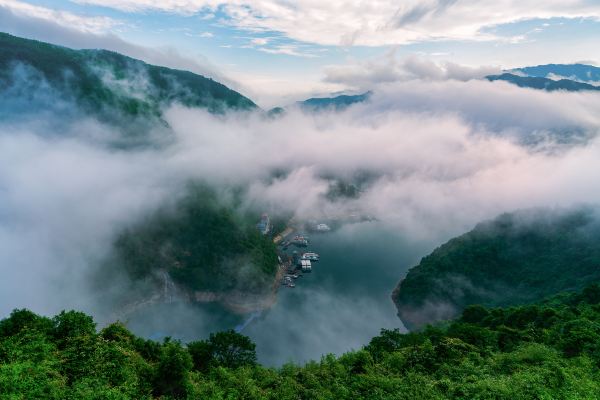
x=339, y=306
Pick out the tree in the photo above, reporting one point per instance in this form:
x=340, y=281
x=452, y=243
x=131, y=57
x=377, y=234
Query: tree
x=579, y=335
x=117, y=332
x=591, y=294
x=172, y=372
x=474, y=314
x=21, y=319
x=201, y=353
x=231, y=349
x=72, y=324
x=226, y=349
x=389, y=340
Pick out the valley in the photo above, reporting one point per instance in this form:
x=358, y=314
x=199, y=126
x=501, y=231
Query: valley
x=215, y=200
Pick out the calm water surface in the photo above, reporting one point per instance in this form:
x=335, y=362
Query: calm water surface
x=338, y=307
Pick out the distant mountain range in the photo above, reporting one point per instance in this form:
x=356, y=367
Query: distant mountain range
x=105, y=84
x=579, y=72
x=318, y=104
x=336, y=103
x=117, y=89
x=547, y=84
x=552, y=77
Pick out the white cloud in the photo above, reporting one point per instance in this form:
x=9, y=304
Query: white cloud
x=74, y=21
x=207, y=16
x=273, y=90
x=368, y=22
x=260, y=41
x=287, y=49
x=442, y=154
x=365, y=74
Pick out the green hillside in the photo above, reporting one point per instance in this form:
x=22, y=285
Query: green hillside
x=109, y=85
x=337, y=103
x=203, y=243
x=516, y=258
x=545, y=351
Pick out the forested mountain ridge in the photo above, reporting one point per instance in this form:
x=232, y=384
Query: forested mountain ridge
x=336, y=103
x=203, y=243
x=548, y=350
x=544, y=83
x=516, y=258
x=578, y=71
x=106, y=84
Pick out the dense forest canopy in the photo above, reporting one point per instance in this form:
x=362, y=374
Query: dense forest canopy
x=203, y=242
x=549, y=350
x=516, y=258
x=112, y=87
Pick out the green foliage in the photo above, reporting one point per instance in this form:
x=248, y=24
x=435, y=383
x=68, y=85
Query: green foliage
x=24, y=319
x=202, y=244
x=517, y=258
x=30, y=366
x=68, y=360
x=110, y=86
x=172, y=371
x=223, y=349
x=500, y=353
x=72, y=324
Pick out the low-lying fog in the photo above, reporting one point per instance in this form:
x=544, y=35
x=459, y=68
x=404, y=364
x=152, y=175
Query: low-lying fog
x=339, y=306
x=440, y=156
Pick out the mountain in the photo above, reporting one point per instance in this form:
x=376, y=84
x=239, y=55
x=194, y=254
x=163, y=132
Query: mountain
x=336, y=103
x=543, y=83
x=202, y=244
x=549, y=350
x=112, y=87
x=516, y=258
x=578, y=72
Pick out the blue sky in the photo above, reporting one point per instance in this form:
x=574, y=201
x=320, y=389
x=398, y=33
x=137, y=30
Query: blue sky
x=281, y=49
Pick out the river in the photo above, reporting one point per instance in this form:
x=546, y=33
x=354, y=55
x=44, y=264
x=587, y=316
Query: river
x=338, y=307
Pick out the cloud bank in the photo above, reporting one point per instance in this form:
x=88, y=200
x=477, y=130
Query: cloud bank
x=370, y=23
x=76, y=22
x=431, y=159
x=368, y=74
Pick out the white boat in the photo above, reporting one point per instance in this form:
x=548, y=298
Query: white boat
x=310, y=256
x=305, y=265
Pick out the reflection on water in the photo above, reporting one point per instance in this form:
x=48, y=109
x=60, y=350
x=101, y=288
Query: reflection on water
x=338, y=307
